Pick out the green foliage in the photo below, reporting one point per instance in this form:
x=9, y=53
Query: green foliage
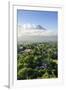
x=37, y=60
x=46, y=75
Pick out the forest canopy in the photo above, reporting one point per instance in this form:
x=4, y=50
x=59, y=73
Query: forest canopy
x=37, y=60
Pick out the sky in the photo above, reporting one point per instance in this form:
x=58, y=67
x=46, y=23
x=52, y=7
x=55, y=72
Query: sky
x=47, y=19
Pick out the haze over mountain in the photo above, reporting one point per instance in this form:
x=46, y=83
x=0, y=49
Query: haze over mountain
x=35, y=33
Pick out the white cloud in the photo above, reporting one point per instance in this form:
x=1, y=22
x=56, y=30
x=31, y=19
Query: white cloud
x=32, y=32
x=28, y=26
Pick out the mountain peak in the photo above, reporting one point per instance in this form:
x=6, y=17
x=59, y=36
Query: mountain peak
x=40, y=27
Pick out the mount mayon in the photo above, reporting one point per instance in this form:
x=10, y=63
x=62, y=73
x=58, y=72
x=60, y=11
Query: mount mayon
x=35, y=33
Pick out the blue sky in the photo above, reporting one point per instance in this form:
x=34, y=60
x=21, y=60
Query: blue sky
x=47, y=19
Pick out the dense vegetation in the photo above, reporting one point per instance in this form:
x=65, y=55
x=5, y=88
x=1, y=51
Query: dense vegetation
x=37, y=60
